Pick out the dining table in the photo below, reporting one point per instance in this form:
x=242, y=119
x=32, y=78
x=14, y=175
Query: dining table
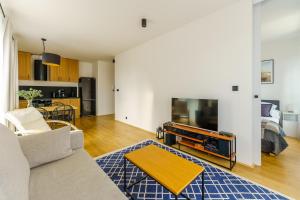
x=50, y=109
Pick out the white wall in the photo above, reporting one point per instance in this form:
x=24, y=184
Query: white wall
x=256, y=111
x=87, y=69
x=286, y=55
x=202, y=59
x=105, y=86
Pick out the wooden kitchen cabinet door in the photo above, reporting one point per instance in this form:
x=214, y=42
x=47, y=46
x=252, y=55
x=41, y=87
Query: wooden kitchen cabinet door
x=59, y=73
x=63, y=101
x=64, y=70
x=23, y=104
x=54, y=73
x=25, y=68
x=76, y=102
x=68, y=71
x=73, y=70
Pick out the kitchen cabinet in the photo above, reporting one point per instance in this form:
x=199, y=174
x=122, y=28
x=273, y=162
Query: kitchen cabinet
x=63, y=101
x=23, y=103
x=68, y=71
x=64, y=70
x=70, y=101
x=54, y=73
x=73, y=70
x=76, y=103
x=67, y=101
x=25, y=68
x=59, y=73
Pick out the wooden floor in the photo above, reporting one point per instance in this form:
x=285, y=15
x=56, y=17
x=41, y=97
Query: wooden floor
x=282, y=173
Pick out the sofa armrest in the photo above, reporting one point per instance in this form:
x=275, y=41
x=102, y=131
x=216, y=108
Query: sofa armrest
x=77, y=140
x=50, y=122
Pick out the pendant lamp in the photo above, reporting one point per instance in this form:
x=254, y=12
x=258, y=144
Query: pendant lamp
x=50, y=59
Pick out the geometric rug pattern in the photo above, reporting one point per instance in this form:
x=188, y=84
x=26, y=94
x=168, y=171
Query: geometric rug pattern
x=219, y=184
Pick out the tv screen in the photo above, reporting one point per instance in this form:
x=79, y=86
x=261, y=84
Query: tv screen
x=201, y=113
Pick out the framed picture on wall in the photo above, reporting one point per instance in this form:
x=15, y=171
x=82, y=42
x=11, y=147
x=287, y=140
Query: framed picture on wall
x=267, y=71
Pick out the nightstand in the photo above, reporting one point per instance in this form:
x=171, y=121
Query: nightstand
x=291, y=124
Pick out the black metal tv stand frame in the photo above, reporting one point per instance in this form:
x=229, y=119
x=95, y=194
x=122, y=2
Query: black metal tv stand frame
x=199, y=139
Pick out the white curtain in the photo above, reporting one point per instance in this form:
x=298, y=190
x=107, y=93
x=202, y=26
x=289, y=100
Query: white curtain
x=8, y=70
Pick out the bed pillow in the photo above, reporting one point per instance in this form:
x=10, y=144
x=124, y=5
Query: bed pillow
x=275, y=113
x=274, y=107
x=265, y=110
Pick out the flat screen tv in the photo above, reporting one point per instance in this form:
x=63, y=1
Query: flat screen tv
x=201, y=113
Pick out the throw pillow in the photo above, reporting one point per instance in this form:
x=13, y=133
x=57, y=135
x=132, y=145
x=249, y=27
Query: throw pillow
x=46, y=147
x=265, y=110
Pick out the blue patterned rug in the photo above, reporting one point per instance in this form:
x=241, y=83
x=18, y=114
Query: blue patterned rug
x=219, y=184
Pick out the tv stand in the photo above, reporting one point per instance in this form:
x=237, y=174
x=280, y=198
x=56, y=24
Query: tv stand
x=206, y=141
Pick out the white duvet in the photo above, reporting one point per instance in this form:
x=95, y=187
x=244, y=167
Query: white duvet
x=272, y=119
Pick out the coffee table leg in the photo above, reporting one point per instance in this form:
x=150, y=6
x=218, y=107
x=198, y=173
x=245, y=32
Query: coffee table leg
x=202, y=185
x=125, y=175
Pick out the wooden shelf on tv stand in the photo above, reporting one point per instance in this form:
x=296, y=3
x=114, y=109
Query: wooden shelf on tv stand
x=201, y=148
x=203, y=132
x=198, y=144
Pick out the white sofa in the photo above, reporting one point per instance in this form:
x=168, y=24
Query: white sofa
x=44, y=166
x=31, y=121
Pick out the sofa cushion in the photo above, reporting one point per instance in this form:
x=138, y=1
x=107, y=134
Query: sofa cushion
x=76, y=177
x=46, y=147
x=14, y=168
x=20, y=119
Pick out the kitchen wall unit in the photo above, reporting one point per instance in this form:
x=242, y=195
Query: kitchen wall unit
x=25, y=67
x=68, y=71
x=73, y=70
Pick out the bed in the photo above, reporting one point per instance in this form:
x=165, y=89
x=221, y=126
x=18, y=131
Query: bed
x=272, y=134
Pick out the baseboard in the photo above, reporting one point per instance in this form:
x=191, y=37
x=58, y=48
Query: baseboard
x=97, y=114
x=246, y=165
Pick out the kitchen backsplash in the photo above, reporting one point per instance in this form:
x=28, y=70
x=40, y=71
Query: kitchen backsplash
x=53, y=92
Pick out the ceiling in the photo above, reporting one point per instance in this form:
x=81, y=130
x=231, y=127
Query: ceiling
x=99, y=29
x=280, y=19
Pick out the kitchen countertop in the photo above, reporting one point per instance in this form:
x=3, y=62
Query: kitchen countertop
x=64, y=98
x=53, y=98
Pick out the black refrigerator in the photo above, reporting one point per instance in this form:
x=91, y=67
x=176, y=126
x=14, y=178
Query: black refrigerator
x=87, y=94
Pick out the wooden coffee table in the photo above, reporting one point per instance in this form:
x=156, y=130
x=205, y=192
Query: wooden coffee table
x=169, y=170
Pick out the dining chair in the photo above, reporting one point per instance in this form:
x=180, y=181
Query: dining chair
x=44, y=112
x=64, y=113
x=69, y=114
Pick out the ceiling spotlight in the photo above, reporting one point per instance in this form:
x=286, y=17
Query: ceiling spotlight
x=144, y=22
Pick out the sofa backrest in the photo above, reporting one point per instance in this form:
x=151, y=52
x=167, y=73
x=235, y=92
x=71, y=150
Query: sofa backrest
x=14, y=167
x=27, y=119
